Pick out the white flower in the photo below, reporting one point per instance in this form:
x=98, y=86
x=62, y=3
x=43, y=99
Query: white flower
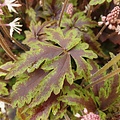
x=14, y=26
x=77, y=115
x=118, y=29
x=2, y=107
x=10, y=4
x=100, y=23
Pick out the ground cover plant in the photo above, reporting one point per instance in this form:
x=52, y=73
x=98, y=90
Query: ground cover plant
x=60, y=59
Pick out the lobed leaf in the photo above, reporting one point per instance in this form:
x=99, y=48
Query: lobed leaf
x=5, y=68
x=3, y=89
x=54, y=81
x=32, y=59
x=79, y=21
x=42, y=112
x=26, y=89
x=36, y=30
x=106, y=90
x=93, y=44
x=67, y=41
x=78, y=97
x=52, y=8
x=79, y=53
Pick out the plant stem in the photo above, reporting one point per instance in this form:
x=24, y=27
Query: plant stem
x=4, y=81
x=62, y=11
x=66, y=117
x=4, y=71
x=111, y=35
x=103, y=78
x=106, y=66
x=100, y=32
x=13, y=40
x=5, y=46
x=90, y=11
x=5, y=100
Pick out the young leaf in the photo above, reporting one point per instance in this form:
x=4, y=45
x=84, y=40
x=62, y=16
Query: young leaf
x=36, y=30
x=78, y=21
x=42, y=112
x=52, y=8
x=3, y=89
x=78, y=97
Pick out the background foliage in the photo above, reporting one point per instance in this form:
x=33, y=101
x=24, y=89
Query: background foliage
x=65, y=62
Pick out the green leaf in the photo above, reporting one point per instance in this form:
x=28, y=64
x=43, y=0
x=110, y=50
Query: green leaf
x=74, y=2
x=32, y=14
x=3, y=89
x=95, y=2
x=19, y=37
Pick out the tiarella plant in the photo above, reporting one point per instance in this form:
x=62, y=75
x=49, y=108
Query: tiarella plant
x=59, y=60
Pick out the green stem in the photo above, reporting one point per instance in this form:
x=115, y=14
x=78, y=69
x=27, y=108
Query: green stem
x=90, y=11
x=62, y=11
x=117, y=71
x=106, y=66
x=66, y=117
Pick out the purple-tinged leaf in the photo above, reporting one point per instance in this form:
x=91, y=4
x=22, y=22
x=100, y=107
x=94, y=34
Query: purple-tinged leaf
x=55, y=79
x=26, y=89
x=94, y=45
x=107, y=91
x=42, y=111
x=5, y=68
x=32, y=59
x=67, y=41
x=78, y=97
x=111, y=91
x=36, y=30
x=79, y=53
x=79, y=21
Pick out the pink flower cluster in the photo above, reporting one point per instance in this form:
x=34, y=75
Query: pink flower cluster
x=88, y=116
x=70, y=9
x=111, y=20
